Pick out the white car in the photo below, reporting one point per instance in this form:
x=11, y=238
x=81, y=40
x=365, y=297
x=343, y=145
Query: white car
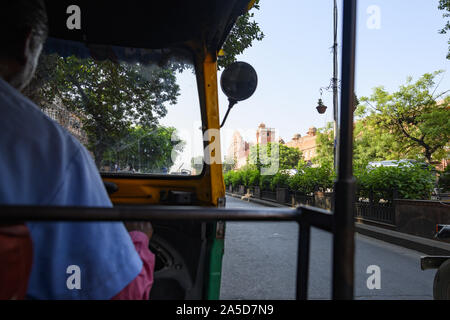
x=394, y=163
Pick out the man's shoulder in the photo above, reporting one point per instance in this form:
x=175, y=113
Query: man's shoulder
x=28, y=122
x=35, y=147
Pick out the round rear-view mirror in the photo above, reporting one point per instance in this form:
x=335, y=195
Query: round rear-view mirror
x=239, y=81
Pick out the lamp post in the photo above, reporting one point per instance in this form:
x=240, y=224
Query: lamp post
x=321, y=108
x=335, y=81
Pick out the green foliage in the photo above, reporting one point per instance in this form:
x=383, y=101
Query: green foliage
x=146, y=150
x=408, y=121
x=410, y=182
x=227, y=178
x=287, y=157
x=265, y=182
x=254, y=177
x=325, y=146
x=279, y=180
x=249, y=175
x=408, y=124
x=242, y=35
x=373, y=143
x=309, y=179
x=445, y=6
x=234, y=178
x=109, y=98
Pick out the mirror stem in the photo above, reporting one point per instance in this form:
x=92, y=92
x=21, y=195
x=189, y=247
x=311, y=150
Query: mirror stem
x=232, y=102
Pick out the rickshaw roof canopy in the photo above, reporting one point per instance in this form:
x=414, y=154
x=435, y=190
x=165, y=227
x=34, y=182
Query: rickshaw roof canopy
x=147, y=24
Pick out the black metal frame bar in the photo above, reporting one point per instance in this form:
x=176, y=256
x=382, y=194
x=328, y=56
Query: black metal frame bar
x=343, y=240
x=340, y=223
x=305, y=216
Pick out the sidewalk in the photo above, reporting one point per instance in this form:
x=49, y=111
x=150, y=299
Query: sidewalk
x=424, y=245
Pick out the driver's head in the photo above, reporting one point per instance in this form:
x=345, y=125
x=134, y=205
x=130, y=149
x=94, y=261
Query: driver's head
x=23, y=30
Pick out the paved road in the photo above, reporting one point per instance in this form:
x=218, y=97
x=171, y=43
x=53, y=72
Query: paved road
x=260, y=263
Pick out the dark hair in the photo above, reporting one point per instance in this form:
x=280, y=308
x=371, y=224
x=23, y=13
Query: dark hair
x=17, y=18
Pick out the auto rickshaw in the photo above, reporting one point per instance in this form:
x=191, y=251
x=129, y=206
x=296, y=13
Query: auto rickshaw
x=189, y=212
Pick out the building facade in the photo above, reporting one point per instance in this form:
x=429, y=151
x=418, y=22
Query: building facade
x=239, y=149
x=67, y=119
x=307, y=144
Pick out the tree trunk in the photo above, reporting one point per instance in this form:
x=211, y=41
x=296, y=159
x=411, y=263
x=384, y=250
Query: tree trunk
x=98, y=155
x=428, y=155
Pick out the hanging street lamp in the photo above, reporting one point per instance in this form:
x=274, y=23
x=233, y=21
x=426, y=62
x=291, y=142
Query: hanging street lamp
x=321, y=108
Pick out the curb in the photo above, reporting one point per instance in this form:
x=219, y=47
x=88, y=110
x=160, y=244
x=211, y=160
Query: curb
x=259, y=201
x=424, y=245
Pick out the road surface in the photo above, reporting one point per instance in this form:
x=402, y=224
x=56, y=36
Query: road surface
x=260, y=263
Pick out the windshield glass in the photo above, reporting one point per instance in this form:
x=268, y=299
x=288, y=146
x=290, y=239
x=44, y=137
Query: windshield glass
x=136, y=111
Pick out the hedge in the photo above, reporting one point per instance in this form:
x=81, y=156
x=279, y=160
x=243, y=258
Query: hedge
x=410, y=182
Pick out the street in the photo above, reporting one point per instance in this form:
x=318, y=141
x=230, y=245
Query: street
x=260, y=263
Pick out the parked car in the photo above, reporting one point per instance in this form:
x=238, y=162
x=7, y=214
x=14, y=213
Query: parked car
x=396, y=163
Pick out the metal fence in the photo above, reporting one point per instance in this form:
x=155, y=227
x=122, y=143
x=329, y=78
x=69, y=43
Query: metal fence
x=379, y=212
x=369, y=210
x=269, y=195
x=299, y=198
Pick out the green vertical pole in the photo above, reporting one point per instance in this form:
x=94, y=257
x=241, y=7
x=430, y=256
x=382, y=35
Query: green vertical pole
x=215, y=265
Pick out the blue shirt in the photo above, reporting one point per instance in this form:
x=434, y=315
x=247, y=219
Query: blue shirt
x=43, y=164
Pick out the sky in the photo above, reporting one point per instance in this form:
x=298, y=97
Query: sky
x=294, y=60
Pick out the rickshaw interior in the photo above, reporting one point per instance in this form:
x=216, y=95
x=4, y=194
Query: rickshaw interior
x=188, y=239
x=153, y=36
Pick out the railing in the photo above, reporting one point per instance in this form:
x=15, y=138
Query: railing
x=300, y=198
x=379, y=212
x=370, y=210
x=269, y=195
x=306, y=218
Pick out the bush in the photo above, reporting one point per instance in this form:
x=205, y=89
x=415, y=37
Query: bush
x=410, y=182
x=265, y=182
x=308, y=179
x=279, y=180
x=247, y=176
x=254, y=177
x=250, y=175
x=227, y=178
x=234, y=178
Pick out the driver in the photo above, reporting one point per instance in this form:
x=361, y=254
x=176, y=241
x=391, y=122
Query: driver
x=42, y=164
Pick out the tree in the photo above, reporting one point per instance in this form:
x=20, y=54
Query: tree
x=146, y=150
x=414, y=115
x=242, y=35
x=376, y=143
x=109, y=98
x=325, y=145
x=371, y=143
x=445, y=6
x=288, y=157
